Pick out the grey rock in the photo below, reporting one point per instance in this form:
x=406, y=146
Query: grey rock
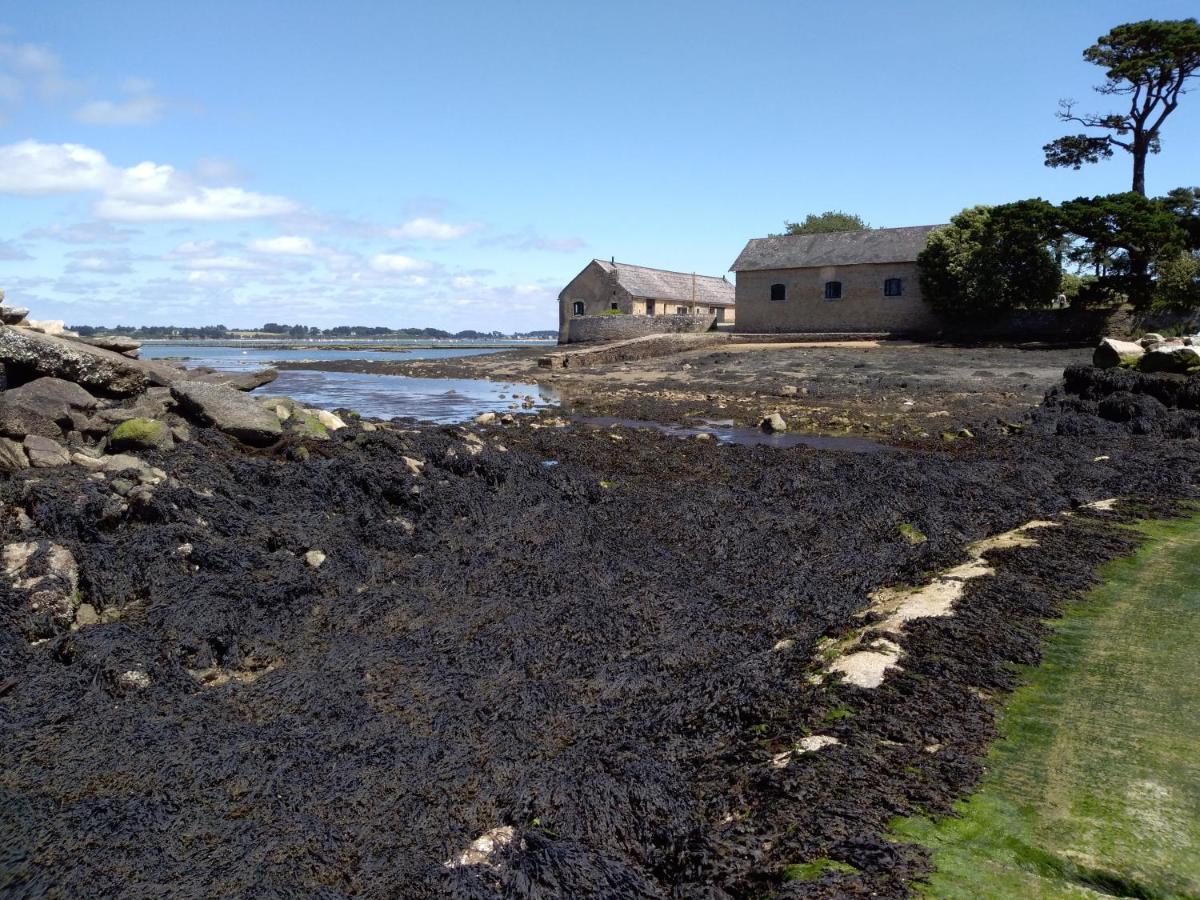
x=13, y=315
x=232, y=412
x=18, y=421
x=1171, y=358
x=486, y=418
x=51, y=393
x=45, y=453
x=12, y=456
x=241, y=381
x=773, y=423
x=788, y=390
x=116, y=343
x=90, y=367
x=1112, y=353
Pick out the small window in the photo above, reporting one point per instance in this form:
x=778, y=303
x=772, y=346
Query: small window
x=833, y=290
x=893, y=287
x=577, y=307
x=613, y=305
x=778, y=293
x=681, y=310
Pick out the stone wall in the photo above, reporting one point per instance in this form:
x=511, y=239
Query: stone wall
x=616, y=328
x=862, y=306
x=1073, y=325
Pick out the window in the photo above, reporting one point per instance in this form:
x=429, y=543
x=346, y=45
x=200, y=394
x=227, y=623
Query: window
x=577, y=308
x=778, y=293
x=613, y=305
x=833, y=290
x=681, y=310
x=893, y=287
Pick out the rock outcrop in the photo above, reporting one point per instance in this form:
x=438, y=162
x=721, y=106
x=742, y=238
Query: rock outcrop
x=93, y=368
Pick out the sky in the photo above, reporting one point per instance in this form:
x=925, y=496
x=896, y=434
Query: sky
x=455, y=164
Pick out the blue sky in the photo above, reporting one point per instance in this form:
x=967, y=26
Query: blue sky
x=453, y=164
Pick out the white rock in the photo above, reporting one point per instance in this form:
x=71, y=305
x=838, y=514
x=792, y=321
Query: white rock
x=314, y=558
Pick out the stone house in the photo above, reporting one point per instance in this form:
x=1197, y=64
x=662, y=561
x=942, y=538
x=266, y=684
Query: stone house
x=845, y=281
x=606, y=288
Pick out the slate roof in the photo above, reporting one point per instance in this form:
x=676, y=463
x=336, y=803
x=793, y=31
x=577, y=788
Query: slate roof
x=659, y=284
x=839, y=248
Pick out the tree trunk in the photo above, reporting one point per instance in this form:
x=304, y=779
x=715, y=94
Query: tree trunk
x=1141, y=147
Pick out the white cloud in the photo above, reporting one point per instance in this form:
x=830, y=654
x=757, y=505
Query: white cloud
x=29, y=167
x=146, y=192
x=396, y=263
x=432, y=229
x=290, y=245
x=220, y=263
x=134, y=111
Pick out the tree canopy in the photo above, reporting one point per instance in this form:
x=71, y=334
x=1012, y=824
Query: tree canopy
x=991, y=260
x=1148, y=62
x=825, y=222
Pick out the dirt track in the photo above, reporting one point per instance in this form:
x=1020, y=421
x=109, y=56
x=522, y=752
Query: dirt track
x=568, y=635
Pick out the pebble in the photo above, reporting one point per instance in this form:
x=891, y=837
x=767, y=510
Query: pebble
x=314, y=558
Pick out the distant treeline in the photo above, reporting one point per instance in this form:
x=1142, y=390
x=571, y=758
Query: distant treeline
x=219, y=332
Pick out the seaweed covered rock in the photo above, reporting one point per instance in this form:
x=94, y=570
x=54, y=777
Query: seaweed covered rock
x=141, y=433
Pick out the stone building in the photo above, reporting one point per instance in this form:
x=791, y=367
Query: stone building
x=666, y=301
x=845, y=281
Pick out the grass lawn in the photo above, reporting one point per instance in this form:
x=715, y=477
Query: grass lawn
x=1095, y=788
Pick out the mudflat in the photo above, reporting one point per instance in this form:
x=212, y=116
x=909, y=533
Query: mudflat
x=893, y=388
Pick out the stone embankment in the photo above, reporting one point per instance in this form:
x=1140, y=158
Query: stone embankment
x=631, y=349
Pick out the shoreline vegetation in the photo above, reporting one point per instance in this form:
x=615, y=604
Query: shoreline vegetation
x=1093, y=787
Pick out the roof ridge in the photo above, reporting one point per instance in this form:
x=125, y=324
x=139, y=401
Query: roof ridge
x=608, y=262
x=849, y=231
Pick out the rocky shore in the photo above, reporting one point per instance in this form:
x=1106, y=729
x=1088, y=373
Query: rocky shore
x=250, y=647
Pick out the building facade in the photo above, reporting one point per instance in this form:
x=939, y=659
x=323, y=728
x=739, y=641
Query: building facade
x=848, y=281
x=610, y=288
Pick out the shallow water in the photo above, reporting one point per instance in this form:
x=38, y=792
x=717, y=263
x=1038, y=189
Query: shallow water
x=225, y=357
x=725, y=432
x=442, y=400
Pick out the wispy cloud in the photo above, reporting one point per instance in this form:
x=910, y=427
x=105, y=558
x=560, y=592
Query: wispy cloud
x=11, y=250
x=31, y=69
x=529, y=240
x=424, y=228
x=83, y=233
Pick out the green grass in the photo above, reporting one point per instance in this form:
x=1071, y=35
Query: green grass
x=811, y=871
x=1094, y=790
x=911, y=533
